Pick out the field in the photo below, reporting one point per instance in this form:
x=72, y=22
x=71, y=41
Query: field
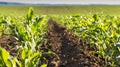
x=60, y=10
x=55, y=37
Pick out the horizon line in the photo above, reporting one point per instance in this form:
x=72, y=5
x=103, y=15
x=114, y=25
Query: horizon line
x=65, y=3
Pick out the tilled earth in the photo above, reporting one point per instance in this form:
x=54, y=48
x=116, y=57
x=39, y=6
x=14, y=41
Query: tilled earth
x=71, y=50
x=10, y=43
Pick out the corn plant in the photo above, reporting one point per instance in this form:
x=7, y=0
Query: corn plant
x=97, y=29
x=30, y=33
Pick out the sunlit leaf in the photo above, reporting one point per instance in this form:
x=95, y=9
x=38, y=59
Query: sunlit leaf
x=30, y=13
x=44, y=65
x=4, y=54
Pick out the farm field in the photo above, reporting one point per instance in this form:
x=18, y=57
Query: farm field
x=59, y=37
x=60, y=10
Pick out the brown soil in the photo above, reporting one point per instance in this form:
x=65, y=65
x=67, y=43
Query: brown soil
x=72, y=51
x=9, y=43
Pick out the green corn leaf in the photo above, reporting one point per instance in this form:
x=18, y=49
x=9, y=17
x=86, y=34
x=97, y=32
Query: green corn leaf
x=18, y=63
x=14, y=63
x=4, y=55
x=23, y=54
x=26, y=53
x=30, y=13
x=44, y=65
x=34, y=55
x=50, y=52
x=9, y=63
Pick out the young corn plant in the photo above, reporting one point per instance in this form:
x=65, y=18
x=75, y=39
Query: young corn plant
x=30, y=34
x=98, y=29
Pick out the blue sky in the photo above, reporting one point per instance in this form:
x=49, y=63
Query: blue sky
x=65, y=1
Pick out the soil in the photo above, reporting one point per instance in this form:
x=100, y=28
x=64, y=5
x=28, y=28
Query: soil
x=10, y=43
x=71, y=50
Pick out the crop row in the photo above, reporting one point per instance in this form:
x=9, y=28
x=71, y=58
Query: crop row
x=98, y=30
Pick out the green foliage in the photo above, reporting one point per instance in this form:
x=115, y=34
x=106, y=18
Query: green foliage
x=100, y=30
x=30, y=32
x=30, y=14
x=4, y=58
x=60, y=10
x=44, y=65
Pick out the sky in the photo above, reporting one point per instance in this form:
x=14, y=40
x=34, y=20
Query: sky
x=65, y=1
